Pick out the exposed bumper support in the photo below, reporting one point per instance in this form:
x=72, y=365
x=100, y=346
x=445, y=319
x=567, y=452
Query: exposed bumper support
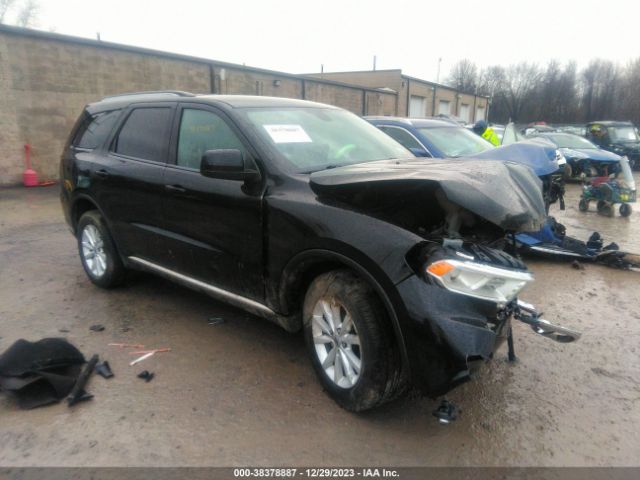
x=527, y=313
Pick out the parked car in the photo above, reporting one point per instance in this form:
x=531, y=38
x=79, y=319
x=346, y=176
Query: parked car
x=584, y=158
x=618, y=137
x=438, y=139
x=307, y=215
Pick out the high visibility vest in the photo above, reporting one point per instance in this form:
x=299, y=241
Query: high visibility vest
x=491, y=136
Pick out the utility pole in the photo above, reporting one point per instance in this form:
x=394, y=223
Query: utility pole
x=374, y=63
x=438, y=77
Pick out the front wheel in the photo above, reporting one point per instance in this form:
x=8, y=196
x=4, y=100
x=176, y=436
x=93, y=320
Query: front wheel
x=350, y=341
x=98, y=254
x=583, y=206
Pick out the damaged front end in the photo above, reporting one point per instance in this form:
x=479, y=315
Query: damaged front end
x=462, y=297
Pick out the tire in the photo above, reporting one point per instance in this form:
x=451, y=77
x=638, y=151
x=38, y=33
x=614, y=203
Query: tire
x=601, y=205
x=606, y=210
x=341, y=294
x=567, y=174
x=98, y=254
x=583, y=206
x=625, y=209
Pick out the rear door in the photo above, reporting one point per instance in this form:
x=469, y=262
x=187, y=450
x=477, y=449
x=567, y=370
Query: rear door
x=130, y=175
x=214, y=226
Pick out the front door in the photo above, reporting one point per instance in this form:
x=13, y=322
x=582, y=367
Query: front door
x=214, y=226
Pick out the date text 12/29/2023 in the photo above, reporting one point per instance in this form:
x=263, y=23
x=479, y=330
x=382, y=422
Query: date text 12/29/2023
x=322, y=472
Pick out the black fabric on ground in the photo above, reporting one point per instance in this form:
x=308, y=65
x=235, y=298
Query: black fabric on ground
x=40, y=373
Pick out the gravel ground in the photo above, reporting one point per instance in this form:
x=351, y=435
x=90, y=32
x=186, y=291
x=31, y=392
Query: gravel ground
x=243, y=393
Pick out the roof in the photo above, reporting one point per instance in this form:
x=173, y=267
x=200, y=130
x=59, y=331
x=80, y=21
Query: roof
x=612, y=123
x=233, y=101
x=416, y=122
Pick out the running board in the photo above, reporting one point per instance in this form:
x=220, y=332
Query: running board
x=251, y=306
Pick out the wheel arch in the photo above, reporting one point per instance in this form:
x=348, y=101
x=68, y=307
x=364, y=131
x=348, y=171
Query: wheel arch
x=306, y=266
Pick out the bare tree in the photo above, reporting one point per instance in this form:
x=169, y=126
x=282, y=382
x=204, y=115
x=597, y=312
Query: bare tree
x=464, y=76
x=27, y=13
x=5, y=6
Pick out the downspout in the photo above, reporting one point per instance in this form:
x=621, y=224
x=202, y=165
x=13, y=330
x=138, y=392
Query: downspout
x=408, y=95
x=475, y=99
x=304, y=89
x=433, y=104
x=212, y=79
x=364, y=102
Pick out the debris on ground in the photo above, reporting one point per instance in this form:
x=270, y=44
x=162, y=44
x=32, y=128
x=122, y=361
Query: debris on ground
x=78, y=393
x=146, y=375
x=40, y=373
x=213, y=321
x=577, y=265
x=155, y=350
x=126, y=345
x=142, y=358
x=96, y=328
x=104, y=370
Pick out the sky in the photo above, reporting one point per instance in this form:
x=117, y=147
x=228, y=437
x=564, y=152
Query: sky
x=298, y=36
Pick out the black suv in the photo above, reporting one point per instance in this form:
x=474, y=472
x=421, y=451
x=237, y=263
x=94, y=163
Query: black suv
x=309, y=216
x=617, y=137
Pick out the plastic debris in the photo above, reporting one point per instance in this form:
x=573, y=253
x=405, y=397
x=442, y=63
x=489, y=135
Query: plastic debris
x=104, y=370
x=78, y=393
x=140, y=359
x=146, y=375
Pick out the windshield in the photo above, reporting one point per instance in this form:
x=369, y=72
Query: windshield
x=623, y=134
x=313, y=139
x=571, y=141
x=455, y=141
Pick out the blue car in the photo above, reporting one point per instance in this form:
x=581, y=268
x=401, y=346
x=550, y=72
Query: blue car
x=443, y=139
x=584, y=158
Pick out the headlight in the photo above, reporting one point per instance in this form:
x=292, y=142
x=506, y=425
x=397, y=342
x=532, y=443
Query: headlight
x=478, y=280
x=560, y=158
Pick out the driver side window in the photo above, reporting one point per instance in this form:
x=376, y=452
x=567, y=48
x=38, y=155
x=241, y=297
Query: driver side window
x=200, y=131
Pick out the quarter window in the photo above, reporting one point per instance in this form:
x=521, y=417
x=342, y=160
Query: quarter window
x=403, y=137
x=145, y=134
x=94, y=129
x=201, y=131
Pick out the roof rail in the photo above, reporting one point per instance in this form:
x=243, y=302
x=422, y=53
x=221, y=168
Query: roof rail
x=175, y=93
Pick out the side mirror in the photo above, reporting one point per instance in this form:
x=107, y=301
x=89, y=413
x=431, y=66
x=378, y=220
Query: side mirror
x=419, y=152
x=227, y=164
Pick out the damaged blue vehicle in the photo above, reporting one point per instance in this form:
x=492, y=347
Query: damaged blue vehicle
x=584, y=158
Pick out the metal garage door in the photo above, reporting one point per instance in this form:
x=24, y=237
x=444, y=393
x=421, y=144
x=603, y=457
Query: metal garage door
x=417, y=106
x=479, y=113
x=444, y=107
x=464, y=112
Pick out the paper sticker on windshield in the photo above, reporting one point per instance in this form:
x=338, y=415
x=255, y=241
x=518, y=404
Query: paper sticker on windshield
x=287, y=134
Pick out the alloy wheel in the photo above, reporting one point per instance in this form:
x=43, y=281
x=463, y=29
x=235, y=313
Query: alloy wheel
x=95, y=257
x=336, y=341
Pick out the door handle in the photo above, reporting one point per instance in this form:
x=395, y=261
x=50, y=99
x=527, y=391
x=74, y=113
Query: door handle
x=175, y=188
x=102, y=173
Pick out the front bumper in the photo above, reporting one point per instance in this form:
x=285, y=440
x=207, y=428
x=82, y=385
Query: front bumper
x=447, y=335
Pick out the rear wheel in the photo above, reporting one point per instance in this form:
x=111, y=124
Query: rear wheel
x=350, y=341
x=98, y=254
x=625, y=209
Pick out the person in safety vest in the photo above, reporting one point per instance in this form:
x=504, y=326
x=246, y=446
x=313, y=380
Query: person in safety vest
x=481, y=128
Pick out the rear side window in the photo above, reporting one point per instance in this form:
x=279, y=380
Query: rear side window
x=145, y=134
x=94, y=129
x=403, y=137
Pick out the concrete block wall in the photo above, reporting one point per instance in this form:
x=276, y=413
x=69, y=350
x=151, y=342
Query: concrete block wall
x=45, y=84
x=46, y=79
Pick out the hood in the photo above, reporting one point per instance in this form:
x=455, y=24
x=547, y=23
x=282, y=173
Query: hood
x=539, y=156
x=506, y=194
x=595, y=154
